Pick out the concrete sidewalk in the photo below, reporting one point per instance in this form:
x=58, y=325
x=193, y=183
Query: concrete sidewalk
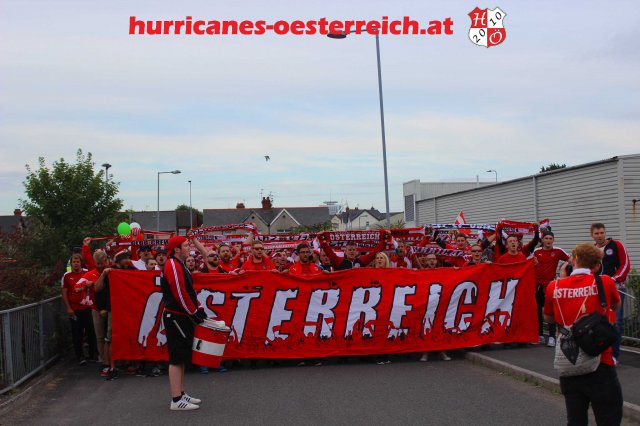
x=535, y=364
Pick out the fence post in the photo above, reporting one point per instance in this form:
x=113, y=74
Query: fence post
x=8, y=355
x=41, y=329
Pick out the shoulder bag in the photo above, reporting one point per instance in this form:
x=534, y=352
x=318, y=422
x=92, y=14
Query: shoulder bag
x=570, y=359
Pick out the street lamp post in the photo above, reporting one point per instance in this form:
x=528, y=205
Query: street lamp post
x=173, y=172
x=493, y=171
x=190, y=208
x=384, y=143
x=106, y=172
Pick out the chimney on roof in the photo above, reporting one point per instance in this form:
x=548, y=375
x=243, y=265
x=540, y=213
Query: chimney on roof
x=266, y=203
x=240, y=206
x=17, y=212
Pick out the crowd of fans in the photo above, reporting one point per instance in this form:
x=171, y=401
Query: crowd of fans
x=85, y=287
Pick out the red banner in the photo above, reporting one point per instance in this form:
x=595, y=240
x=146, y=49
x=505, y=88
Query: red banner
x=355, y=312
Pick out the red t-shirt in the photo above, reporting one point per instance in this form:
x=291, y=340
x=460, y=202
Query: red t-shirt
x=89, y=295
x=69, y=281
x=571, y=293
x=399, y=262
x=304, y=269
x=548, y=263
x=265, y=265
x=511, y=258
x=230, y=265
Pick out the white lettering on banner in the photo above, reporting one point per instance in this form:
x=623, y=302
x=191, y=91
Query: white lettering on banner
x=217, y=298
x=242, y=310
x=572, y=293
x=499, y=308
x=456, y=320
x=363, y=303
x=280, y=314
x=400, y=309
x=435, y=290
x=362, y=316
x=321, y=305
x=150, y=317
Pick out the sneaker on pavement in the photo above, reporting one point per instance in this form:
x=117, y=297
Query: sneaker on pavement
x=541, y=340
x=443, y=356
x=424, y=357
x=183, y=405
x=155, y=372
x=104, y=372
x=191, y=399
x=221, y=369
x=203, y=370
x=113, y=375
x=552, y=342
x=82, y=362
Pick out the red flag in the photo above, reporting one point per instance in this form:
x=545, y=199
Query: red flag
x=460, y=220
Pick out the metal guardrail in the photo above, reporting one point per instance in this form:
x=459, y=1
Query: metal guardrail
x=631, y=319
x=30, y=339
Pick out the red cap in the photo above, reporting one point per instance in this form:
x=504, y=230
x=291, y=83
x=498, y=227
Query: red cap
x=174, y=242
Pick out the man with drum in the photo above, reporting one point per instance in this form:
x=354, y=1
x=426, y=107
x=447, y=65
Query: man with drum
x=181, y=311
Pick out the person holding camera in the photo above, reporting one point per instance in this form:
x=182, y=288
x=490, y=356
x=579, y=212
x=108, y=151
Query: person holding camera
x=566, y=301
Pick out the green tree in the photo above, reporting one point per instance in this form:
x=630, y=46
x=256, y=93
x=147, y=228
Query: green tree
x=398, y=224
x=66, y=203
x=552, y=166
x=198, y=214
x=318, y=227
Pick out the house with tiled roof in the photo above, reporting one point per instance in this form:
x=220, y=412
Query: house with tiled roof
x=361, y=219
x=268, y=219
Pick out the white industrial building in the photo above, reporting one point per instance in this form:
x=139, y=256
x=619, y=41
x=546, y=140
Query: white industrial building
x=572, y=198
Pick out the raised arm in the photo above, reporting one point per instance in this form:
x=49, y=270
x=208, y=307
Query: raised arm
x=86, y=253
x=201, y=248
x=333, y=257
x=531, y=245
x=384, y=237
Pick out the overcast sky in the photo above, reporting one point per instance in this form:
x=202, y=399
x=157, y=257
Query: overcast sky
x=562, y=88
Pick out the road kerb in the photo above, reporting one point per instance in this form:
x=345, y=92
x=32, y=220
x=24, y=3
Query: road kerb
x=629, y=410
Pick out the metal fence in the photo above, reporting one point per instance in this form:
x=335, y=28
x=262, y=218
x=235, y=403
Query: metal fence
x=31, y=337
x=631, y=320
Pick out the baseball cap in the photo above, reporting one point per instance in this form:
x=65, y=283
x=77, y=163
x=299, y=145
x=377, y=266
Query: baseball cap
x=124, y=254
x=175, y=242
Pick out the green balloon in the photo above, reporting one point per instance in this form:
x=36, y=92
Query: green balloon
x=124, y=228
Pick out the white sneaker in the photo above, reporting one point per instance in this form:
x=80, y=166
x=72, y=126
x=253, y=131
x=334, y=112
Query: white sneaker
x=191, y=399
x=183, y=405
x=552, y=342
x=541, y=340
x=444, y=356
x=424, y=357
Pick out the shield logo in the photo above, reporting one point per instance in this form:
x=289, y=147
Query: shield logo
x=487, y=28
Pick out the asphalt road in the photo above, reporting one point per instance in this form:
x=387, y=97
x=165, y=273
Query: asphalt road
x=404, y=392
